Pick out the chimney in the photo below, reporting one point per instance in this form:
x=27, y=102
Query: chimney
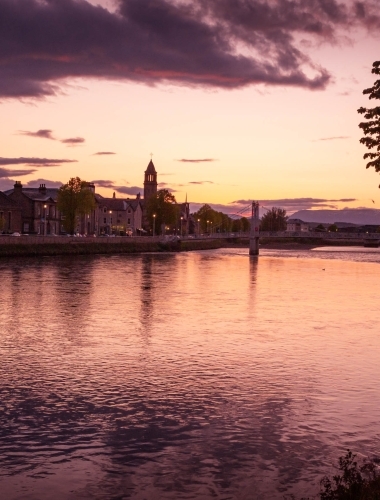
x=42, y=189
x=17, y=186
x=114, y=195
x=138, y=195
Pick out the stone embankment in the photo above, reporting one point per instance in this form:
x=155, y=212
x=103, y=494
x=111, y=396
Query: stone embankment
x=19, y=246
x=11, y=246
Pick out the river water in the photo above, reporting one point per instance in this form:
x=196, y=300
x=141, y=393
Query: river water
x=200, y=375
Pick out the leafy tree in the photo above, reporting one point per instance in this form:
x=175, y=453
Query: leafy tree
x=164, y=207
x=210, y=218
x=74, y=199
x=274, y=220
x=320, y=228
x=245, y=224
x=333, y=228
x=371, y=128
x=236, y=225
x=359, y=482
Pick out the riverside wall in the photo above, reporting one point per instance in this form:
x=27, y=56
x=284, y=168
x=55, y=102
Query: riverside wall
x=19, y=246
x=13, y=246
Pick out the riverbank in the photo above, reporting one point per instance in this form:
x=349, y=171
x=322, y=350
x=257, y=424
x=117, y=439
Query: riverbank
x=30, y=246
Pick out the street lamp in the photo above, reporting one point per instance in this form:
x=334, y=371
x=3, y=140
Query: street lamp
x=211, y=227
x=181, y=225
x=207, y=227
x=154, y=224
x=198, y=227
x=110, y=212
x=45, y=221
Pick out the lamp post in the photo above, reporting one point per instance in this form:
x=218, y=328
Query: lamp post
x=110, y=222
x=181, y=225
x=45, y=221
x=211, y=227
x=154, y=224
x=198, y=228
x=207, y=227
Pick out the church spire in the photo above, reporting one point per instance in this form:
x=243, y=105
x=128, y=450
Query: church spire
x=150, y=181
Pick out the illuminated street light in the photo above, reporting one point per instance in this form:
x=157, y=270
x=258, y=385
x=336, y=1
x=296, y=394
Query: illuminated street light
x=45, y=221
x=154, y=224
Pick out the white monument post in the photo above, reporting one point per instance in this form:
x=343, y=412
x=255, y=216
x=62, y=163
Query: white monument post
x=255, y=225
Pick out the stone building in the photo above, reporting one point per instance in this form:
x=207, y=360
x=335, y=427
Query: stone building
x=297, y=225
x=10, y=215
x=118, y=216
x=39, y=214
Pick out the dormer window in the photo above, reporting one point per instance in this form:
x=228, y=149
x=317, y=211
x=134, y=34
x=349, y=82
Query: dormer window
x=105, y=210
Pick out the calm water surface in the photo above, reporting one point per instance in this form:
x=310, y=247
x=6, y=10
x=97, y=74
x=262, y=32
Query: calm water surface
x=202, y=375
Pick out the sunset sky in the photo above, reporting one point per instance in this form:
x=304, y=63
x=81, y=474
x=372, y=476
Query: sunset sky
x=236, y=99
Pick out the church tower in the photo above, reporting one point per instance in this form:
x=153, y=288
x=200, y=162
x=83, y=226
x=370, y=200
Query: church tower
x=150, y=181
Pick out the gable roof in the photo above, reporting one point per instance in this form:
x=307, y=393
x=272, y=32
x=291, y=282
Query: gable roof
x=295, y=221
x=7, y=203
x=37, y=195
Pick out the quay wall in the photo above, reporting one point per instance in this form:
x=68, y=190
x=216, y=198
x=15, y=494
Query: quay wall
x=61, y=245
x=19, y=246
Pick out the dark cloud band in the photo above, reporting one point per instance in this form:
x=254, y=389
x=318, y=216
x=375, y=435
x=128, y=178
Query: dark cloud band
x=37, y=162
x=150, y=41
x=187, y=160
x=6, y=172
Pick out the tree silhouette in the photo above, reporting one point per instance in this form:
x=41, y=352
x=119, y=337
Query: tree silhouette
x=164, y=208
x=274, y=220
x=74, y=199
x=371, y=127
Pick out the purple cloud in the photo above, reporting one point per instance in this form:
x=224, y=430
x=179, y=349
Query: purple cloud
x=36, y=162
x=6, y=183
x=35, y=183
x=6, y=172
x=130, y=190
x=73, y=141
x=332, y=138
x=100, y=153
x=104, y=183
x=42, y=134
x=185, y=160
x=293, y=204
x=45, y=43
x=201, y=182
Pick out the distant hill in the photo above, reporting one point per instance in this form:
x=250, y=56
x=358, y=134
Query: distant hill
x=352, y=215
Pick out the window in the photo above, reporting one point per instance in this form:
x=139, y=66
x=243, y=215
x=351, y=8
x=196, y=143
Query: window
x=129, y=210
x=110, y=220
x=25, y=227
x=105, y=210
x=38, y=209
x=105, y=220
x=129, y=222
